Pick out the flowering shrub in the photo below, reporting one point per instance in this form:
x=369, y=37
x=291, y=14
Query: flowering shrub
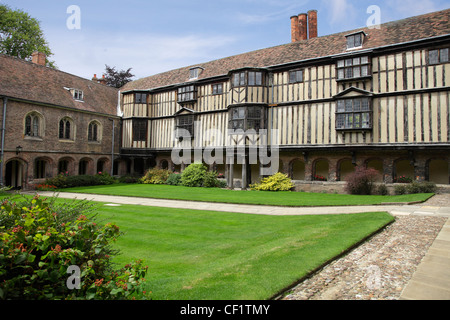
x=403, y=179
x=155, y=176
x=319, y=178
x=277, y=182
x=361, y=181
x=45, y=187
x=38, y=245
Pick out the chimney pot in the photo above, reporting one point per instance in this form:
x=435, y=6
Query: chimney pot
x=294, y=29
x=303, y=26
x=38, y=58
x=312, y=23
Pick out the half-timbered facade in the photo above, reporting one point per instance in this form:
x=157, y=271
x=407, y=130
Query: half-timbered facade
x=376, y=97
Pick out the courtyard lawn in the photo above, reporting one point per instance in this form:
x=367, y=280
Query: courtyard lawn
x=199, y=255
x=281, y=198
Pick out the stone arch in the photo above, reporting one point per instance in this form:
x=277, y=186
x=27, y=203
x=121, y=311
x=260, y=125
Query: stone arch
x=437, y=171
x=344, y=168
x=321, y=169
x=65, y=165
x=86, y=166
x=297, y=169
x=42, y=167
x=403, y=168
x=377, y=164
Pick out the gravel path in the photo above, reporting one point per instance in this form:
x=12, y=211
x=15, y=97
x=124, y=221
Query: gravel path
x=380, y=268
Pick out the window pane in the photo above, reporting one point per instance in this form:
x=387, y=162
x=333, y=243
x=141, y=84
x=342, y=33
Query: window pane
x=366, y=120
x=365, y=104
x=349, y=120
x=67, y=134
x=341, y=106
x=300, y=76
x=358, y=41
x=350, y=42
x=356, y=120
x=340, y=63
x=28, y=126
x=236, y=80
x=348, y=62
x=443, y=55
x=434, y=56
x=356, y=61
x=340, y=121
x=356, y=72
x=349, y=73
x=364, y=60
x=258, y=78
x=35, y=126
x=242, y=79
x=364, y=71
x=292, y=77
x=341, y=74
x=348, y=105
x=356, y=105
x=251, y=78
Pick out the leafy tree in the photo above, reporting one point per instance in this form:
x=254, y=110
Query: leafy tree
x=21, y=35
x=116, y=78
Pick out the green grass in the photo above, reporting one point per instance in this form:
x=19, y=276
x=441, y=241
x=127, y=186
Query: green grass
x=284, y=198
x=203, y=255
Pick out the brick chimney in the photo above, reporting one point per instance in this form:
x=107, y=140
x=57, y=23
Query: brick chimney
x=102, y=80
x=38, y=58
x=294, y=29
x=303, y=26
x=95, y=79
x=312, y=23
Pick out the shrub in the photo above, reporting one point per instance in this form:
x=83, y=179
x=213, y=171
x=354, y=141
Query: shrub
x=361, y=181
x=400, y=189
x=403, y=179
x=421, y=187
x=194, y=175
x=211, y=180
x=39, y=241
x=155, y=176
x=382, y=190
x=66, y=181
x=129, y=179
x=277, y=182
x=174, y=179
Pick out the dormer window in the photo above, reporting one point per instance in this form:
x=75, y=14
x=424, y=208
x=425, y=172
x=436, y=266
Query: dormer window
x=355, y=40
x=194, y=73
x=78, y=95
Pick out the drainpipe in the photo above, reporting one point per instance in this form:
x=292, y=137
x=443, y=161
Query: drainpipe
x=5, y=101
x=112, y=147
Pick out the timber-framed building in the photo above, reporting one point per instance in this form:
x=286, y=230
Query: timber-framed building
x=376, y=97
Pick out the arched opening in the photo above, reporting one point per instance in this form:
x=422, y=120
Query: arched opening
x=321, y=169
x=14, y=174
x=164, y=164
x=376, y=164
x=298, y=170
x=403, y=171
x=345, y=168
x=438, y=171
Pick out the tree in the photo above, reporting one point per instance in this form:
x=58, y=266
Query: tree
x=21, y=35
x=116, y=78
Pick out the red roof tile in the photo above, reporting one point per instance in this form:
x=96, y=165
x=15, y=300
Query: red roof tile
x=406, y=30
x=29, y=81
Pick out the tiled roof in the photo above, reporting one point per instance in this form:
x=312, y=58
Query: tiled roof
x=29, y=81
x=406, y=30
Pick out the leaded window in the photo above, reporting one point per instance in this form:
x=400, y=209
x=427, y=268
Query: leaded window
x=351, y=68
x=354, y=114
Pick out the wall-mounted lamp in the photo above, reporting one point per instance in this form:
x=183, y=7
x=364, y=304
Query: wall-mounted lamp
x=18, y=149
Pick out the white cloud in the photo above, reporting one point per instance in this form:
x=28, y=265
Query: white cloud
x=86, y=55
x=341, y=12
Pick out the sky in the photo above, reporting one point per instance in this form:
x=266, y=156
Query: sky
x=156, y=36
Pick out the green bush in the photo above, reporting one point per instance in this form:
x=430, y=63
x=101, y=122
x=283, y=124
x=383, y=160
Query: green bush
x=382, y=190
x=277, y=182
x=41, y=241
x=129, y=179
x=174, y=179
x=155, y=176
x=399, y=189
x=421, y=187
x=194, y=175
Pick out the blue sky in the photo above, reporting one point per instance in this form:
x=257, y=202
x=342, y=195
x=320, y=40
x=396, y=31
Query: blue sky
x=156, y=36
